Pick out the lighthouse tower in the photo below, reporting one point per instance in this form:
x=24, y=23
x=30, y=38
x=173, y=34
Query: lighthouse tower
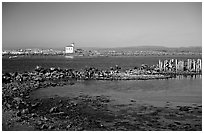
x=69, y=49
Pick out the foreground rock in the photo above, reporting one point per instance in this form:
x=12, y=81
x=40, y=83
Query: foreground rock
x=97, y=113
x=42, y=77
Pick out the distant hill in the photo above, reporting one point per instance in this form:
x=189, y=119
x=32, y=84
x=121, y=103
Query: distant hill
x=196, y=49
x=149, y=48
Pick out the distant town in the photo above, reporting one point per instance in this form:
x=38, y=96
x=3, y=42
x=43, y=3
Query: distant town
x=126, y=51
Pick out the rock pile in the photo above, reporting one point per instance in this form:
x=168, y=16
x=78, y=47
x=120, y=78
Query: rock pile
x=40, y=75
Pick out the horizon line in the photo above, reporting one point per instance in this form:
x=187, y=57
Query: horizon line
x=32, y=47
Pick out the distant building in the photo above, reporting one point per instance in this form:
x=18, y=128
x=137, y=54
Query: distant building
x=69, y=49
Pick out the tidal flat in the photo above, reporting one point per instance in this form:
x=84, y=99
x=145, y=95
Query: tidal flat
x=82, y=106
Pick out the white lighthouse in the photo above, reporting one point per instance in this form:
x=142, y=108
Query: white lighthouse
x=69, y=49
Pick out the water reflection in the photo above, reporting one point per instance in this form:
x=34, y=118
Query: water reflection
x=188, y=76
x=69, y=57
x=184, y=89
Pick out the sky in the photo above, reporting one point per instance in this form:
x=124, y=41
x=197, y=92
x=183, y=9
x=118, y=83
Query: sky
x=55, y=25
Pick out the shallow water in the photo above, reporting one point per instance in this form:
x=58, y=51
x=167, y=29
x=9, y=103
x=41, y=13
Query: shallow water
x=28, y=63
x=177, y=91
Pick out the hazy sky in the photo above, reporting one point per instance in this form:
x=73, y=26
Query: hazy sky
x=101, y=24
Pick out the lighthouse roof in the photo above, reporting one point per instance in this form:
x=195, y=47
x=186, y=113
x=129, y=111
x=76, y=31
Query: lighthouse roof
x=70, y=45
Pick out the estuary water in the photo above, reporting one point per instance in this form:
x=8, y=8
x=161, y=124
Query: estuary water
x=180, y=90
x=177, y=91
x=28, y=63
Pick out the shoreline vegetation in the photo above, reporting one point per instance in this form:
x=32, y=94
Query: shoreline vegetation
x=21, y=112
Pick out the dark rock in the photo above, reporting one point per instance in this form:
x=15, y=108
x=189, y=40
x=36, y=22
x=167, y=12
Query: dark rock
x=44, y=126
x=73, y=103
x=52, y=69
x=18, y=113
x=59, y=113
x=184, y=108
x=177, y=122
x=149, y=124
x=198, y=125
x=53, y=110
x=6, y=79
x=24, y=117
x=60, y=101
x=200, y=111
x=44, y=119
x=27, y=97
x=39, y=123
x=51, y=127
x=34, y=115
x=8, y=105
x=21, y=105
x=60, y=105
x=17, y=99
x=25, y=111
x=38, y=68
x=34, y=106
x=54, y=84
x=72, y=83
x=68, y=126
x=38, y=79
x=14, y=89
x=19, y=119
x=132, y=100
x=172, y=126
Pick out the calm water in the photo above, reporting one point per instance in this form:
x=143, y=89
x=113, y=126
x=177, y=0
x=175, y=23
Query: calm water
x=22, y=64
x=180, y=90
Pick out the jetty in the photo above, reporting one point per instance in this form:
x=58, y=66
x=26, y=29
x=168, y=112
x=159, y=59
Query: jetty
x=163, y=70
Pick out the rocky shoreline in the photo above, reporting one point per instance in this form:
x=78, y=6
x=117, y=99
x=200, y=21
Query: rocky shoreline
x=20, y=112
x=58, y=74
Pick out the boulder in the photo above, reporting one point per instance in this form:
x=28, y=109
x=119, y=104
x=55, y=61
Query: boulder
x=14, y=89
x=44, y=126
x=8, y=105
x=51, y=127
x=34, y=115
x=39, y=123
x=21, y=105
x=184, y=108
x=44, y=118
x=34, y=106
x=38, y=68
x=132, y=100
x=18, y=113
x=68, y=126
x=53, y=110
x=25, y=111
x=17, y=99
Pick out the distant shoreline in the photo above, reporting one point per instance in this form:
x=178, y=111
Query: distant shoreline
x=81, y=56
